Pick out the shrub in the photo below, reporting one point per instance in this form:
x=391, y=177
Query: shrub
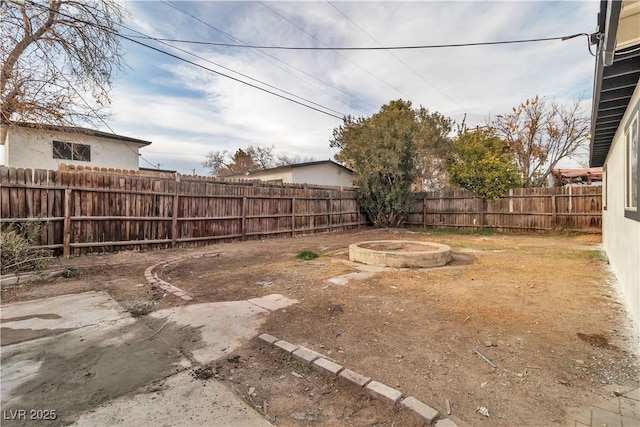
x=17, y=250
x=307, y=255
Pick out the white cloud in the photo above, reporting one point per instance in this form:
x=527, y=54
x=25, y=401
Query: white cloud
x=187, y=111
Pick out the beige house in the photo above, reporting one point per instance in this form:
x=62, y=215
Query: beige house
x=615, y=124
x=324, y=172
x=27, y=145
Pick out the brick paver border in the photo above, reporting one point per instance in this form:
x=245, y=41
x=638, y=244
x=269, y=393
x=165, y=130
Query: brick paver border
x=380, y=391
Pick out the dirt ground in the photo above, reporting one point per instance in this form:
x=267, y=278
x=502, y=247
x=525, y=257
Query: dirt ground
x=542, y=308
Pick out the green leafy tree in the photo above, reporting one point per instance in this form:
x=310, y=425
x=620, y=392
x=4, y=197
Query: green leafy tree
x=385, y=152
x=481, y=162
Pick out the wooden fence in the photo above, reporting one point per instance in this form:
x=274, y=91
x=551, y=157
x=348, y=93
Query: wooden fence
x=88, y=211
x=525, y=209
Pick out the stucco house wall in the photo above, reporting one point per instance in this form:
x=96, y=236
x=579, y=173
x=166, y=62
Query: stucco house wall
x=32, y=147
x=270, y=175
x=621, y=235
x=324, y=172
x=615, y=124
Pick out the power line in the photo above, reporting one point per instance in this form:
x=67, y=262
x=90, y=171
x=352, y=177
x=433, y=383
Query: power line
x=328, y=48
x=188, y=61
x=397, y=57
x=229, y=77
x=354, y=48
x=261, y=54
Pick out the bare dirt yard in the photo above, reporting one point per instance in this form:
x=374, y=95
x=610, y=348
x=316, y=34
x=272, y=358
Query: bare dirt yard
x=542, y=308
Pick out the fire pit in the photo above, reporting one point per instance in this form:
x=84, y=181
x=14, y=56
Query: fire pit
x=400, y=253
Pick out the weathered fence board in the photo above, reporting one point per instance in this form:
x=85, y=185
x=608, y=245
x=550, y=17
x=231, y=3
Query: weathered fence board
x=526, y=209
x=98, y=211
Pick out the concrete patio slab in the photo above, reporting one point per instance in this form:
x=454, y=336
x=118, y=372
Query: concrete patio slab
x=179, y=400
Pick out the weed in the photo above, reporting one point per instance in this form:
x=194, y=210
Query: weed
x=307, y=255
x=17, y=246
x=68, y=273
x=140, y=310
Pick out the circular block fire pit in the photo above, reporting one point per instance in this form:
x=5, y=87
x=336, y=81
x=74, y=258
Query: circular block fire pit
x=400, y=253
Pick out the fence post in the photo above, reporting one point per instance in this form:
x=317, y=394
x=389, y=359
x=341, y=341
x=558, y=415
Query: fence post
x=483, y=208
x=554, y=212
x=66, y=228
x=174, y=219
x=330, y=212
x=424, y=210
x=243, y=223
x=293, y=215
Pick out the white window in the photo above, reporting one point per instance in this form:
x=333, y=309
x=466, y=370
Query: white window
x=71, y=151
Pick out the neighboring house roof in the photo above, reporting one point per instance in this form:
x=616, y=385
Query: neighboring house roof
x=564, y=176
x=616, y=76
x=73, y=129
x=285, y=167
x=158, y=170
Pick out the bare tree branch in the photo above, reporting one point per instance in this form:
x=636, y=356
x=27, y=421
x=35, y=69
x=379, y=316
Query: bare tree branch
x=57, y=55
x=540, y=133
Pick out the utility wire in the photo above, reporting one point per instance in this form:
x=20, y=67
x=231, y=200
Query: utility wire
x=262, y=55
x=353, y=48
x=397, y=57
x=328, y=48
x=251, y=78
x=186, y=60
x=230, y=77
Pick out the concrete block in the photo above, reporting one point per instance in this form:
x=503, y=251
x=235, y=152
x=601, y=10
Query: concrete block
x=269, y=339
x=445, y=423
x=423, y=412
x=328, y=366
x=305, y=355
x=286, y=346
x=384, y=392
x=600, y=417
x=633, y=394
x=186, y=298
x=630, y=408
x=579, y=415
x=354, y=377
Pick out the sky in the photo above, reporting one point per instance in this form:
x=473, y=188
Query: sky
x=187, y=111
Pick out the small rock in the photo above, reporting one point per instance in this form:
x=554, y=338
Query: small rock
x=252, y=391
x=295, y=374
x=563, y=381
x=482, y=411
x=488, y=344
x=300, y=416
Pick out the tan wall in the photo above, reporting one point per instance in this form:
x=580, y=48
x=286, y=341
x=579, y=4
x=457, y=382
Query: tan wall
x=629, y=26
x=621, y=236
x=32, y=148
x=322, y=174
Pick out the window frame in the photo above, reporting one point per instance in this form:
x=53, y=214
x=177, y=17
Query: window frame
x=631, y=212
x=74, y=151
